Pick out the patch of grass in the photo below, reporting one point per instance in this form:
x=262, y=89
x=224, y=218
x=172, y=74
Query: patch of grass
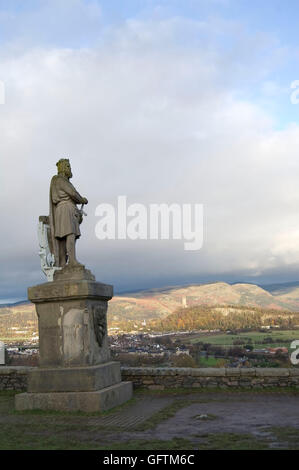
x=167, y=391
x=155, y=444
x=286, y=436
x=217, y=390
x=17, y=439
x=8, y=393
x=168, y=412
x=23, y=438
x=231, y=441
x=6, y=403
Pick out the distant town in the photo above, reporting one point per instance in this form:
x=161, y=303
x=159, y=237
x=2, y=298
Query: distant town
x=268, y=347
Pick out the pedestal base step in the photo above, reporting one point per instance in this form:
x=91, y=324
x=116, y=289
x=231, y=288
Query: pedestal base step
x=100, y=400
x=74, y=379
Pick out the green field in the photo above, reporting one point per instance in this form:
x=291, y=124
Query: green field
x=15, y=339
x=211, y=362
x=279, y=338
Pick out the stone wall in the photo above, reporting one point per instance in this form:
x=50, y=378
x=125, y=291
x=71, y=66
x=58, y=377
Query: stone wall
x=15, y=378
x=162, y=378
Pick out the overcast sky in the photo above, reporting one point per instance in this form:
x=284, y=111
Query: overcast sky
x=164, y=101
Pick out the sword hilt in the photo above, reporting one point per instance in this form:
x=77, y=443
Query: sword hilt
x=84, y=213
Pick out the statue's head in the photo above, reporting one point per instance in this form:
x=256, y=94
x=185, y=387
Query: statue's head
x=64, y=167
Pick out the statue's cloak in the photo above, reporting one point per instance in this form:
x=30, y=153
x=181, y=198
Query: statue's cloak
x=64, y=216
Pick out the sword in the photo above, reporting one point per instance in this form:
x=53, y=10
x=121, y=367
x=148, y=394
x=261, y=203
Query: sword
x=82, y=211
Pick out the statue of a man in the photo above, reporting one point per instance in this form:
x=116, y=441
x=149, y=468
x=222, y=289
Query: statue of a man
x=65, y=217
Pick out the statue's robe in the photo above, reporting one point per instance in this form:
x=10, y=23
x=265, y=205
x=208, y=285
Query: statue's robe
x=65, y=217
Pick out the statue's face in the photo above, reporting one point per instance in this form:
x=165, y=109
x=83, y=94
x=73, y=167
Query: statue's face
x=68, y=170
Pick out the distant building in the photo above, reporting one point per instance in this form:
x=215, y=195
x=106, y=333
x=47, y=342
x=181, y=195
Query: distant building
x=276, y=350
x=260, y=351
x=182, y=351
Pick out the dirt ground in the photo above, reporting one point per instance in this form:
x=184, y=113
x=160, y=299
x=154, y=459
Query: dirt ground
x=162, y=420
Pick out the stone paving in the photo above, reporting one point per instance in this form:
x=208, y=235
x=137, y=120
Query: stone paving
x=203, y=414
x=134, y=415
x=239, y=413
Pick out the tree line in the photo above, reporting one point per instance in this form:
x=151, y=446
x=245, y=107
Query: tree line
x=232, y=317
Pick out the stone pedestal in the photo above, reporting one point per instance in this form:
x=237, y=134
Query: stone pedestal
x=75, y=370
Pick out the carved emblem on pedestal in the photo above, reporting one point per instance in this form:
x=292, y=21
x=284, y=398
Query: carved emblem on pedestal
x=100, y=323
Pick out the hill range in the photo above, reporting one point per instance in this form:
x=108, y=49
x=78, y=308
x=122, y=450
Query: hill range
x=159, y=303
x=140, y=308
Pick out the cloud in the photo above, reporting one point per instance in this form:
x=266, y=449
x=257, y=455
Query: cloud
x=146, y=115
x=67, y=22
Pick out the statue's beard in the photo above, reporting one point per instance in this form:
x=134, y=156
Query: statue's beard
x=68, y=174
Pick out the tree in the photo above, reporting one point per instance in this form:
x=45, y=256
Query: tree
x=183, y=360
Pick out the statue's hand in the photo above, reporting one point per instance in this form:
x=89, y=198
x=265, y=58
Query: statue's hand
x=85, y=201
